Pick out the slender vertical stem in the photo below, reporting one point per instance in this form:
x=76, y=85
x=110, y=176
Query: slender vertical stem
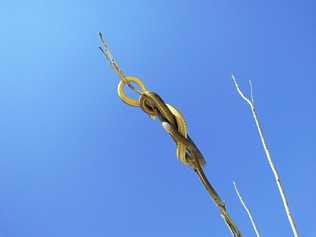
x=268, y=157
x=247, y=210
x=219, y=203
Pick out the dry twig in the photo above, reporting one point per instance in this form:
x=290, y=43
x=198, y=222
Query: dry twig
x=276, y=175
x=247, y=210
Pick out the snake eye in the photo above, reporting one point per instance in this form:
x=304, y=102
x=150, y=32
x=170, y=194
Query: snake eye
x=147, y=105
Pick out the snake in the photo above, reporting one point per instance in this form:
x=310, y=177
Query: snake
x=152, y=104
x=174, y=123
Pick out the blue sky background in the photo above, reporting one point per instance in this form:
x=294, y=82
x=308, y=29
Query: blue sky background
x=76, y=161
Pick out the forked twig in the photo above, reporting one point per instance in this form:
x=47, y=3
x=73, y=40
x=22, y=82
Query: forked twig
x=268, y=157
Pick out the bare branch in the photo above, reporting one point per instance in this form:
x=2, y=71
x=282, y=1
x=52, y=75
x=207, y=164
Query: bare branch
x=241, y=93
x=104, y=48
x=271, y=164
x=247, y=210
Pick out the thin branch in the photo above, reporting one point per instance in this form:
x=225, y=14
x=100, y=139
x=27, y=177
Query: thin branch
x=197, y=164
x=104, y=48
x=251, y=93
x=247, y=210
x=241, y=93
x=271, y=164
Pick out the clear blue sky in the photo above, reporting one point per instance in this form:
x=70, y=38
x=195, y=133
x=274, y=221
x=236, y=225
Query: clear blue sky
x=76, y=161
